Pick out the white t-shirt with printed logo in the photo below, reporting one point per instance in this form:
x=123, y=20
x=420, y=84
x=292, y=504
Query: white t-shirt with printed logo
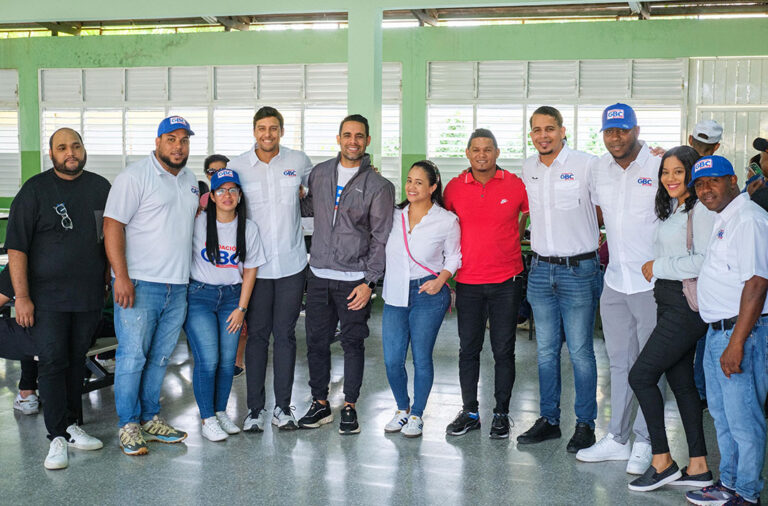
x=229, y=270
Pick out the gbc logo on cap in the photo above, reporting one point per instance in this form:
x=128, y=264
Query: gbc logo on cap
x=177, y=120
x=615, y=114
x=703, y=164
x=223, y=173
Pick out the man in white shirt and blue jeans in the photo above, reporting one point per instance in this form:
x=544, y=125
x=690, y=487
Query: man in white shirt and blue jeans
x=623, y=184
x=148, y=224
x=732, y=300
x=271, y=176
x=564, y=281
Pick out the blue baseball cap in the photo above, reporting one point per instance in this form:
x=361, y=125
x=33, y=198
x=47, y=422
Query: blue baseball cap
x=619, y=116
x=173, y=123
x=711, y=166
x=222, y=176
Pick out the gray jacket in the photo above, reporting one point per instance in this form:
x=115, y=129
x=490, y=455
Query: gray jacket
x=356, y=241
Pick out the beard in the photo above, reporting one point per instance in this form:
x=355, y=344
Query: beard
x=62, y=167
x=169, y=163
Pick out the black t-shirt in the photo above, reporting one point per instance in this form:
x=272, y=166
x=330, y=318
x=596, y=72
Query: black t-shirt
x=6, y=288
x=760, y=197
x=65, y=265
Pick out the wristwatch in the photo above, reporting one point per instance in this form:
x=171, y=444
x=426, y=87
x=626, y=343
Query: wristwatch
x=372, y=285
x=243, y=309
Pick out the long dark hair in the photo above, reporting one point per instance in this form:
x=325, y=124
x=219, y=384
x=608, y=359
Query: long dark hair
x=433, y=174
x=687, y=156
x=212, y=231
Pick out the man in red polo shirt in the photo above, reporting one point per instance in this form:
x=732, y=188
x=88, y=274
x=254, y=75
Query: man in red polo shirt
x=488, y=201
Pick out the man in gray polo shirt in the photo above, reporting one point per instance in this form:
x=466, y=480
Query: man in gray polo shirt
x=148, y=237
x=271, y=175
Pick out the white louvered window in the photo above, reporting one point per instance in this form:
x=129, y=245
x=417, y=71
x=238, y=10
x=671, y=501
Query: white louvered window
x=502, y=95
x=10, y=153
x=118, y=109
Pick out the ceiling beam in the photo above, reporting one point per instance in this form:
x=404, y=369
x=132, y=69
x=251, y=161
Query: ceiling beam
x=426, y=16
x=56, y=28
x=642, y=9
x=234, y=22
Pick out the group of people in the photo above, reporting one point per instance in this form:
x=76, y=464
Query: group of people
x=236, y=258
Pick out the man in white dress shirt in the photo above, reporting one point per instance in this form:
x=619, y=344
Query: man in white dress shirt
x=732, y=299
x=271, y=175
x=564, y=281
x=624, y=183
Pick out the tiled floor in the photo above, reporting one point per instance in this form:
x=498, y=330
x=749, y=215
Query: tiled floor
x=320, y=466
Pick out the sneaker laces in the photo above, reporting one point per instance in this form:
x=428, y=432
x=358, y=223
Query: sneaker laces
x=507, y=416
x=130, y=435
x=159, y=426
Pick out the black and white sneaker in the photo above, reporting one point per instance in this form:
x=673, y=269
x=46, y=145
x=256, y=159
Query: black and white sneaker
x=317, y=415
x=651, y=480
x=696, y=480
x=500, y=426
x=463, y=423
x=348, y=424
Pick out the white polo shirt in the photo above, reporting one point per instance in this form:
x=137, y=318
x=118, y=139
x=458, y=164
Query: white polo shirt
x=738, y=250
x=563, y=217
x=272, y=199
x=158, y=210
x=435, y=242
x=627, y=199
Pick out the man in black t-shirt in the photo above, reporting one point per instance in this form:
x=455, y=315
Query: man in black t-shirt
x=57, y=263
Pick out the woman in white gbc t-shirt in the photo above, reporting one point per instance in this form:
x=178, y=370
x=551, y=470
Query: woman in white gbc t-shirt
x=226, y=251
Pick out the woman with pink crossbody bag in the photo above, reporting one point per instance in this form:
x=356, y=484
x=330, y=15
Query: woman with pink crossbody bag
x=423, y=252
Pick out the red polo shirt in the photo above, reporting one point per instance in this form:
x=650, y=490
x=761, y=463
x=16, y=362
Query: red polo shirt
x=489, y=217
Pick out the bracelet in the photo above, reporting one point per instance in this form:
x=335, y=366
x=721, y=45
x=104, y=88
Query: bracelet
x=243, y=309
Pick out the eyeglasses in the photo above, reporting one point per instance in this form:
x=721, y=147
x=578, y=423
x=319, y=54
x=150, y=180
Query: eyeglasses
x=210, y=172
x=234, y=191
x=66, y=221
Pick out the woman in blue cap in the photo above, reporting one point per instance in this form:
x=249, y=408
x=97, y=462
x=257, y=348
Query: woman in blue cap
x=226, y=251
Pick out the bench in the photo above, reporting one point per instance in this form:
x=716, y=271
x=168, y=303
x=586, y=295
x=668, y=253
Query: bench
x=100, y=377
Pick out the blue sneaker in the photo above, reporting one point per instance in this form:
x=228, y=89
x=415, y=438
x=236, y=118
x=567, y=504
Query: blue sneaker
x=716, y=494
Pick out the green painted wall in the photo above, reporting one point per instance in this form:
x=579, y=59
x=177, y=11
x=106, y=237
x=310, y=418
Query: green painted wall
x=412, y=47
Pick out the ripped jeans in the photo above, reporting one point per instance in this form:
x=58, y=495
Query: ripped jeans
x=146, y=334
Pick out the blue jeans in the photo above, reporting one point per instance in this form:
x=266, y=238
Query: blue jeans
x=564, y=300
x=736, y=405
x=418, y=324
x=147, y=334
x=213, y=347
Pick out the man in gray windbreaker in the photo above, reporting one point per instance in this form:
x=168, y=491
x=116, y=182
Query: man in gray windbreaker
x=352, y=206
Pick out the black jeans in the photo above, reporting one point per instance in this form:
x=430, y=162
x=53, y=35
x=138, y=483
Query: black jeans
x=16, y=343
x=670, y=351
x=273, y=309
x=62, y=341
x=326, y=306
x=477, y=304
x=28, y=379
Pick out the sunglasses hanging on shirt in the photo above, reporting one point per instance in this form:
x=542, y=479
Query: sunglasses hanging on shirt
x=66, y=221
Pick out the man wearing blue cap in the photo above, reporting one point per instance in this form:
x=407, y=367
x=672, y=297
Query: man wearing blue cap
x=148, y=224
x=623, y=185
x=732, y=299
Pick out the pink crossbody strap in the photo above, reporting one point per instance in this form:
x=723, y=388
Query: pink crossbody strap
x=408, y=250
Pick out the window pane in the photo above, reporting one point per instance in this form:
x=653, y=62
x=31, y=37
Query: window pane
x=198, y=122
x=53, y=119
x=659, y=126
x=292, y=136
x=141, y=130
x=448, y=129
x=390, y=130
x=589, y=138
x=9, y=132
x=232, y=130
x=321, y=126
x=103, y=131
x=568, y=121
x=506, y=123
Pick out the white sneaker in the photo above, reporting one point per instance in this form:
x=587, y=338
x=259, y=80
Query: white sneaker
x=605, y=449
x=413, y=427
x=255, y=423
x=57, y=454
x=284, y=420
x=226, y=423
x=82, y=441
x=640, y=459
x=212, y=431
x=29, y=405
x=398, y=421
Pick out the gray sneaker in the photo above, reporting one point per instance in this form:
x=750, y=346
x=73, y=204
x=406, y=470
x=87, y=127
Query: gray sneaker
x=284, y=420
x=255, y=423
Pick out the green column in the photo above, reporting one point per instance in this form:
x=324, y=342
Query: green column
x=29, y=121
x=364, y=60
x=414, y=111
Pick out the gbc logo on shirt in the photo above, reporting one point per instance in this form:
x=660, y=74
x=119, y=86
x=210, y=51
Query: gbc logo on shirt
x=720, y=233
x=567, y=176
x=195, y=190
x=615, y=114
x=289, y=172
x=645, y=181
